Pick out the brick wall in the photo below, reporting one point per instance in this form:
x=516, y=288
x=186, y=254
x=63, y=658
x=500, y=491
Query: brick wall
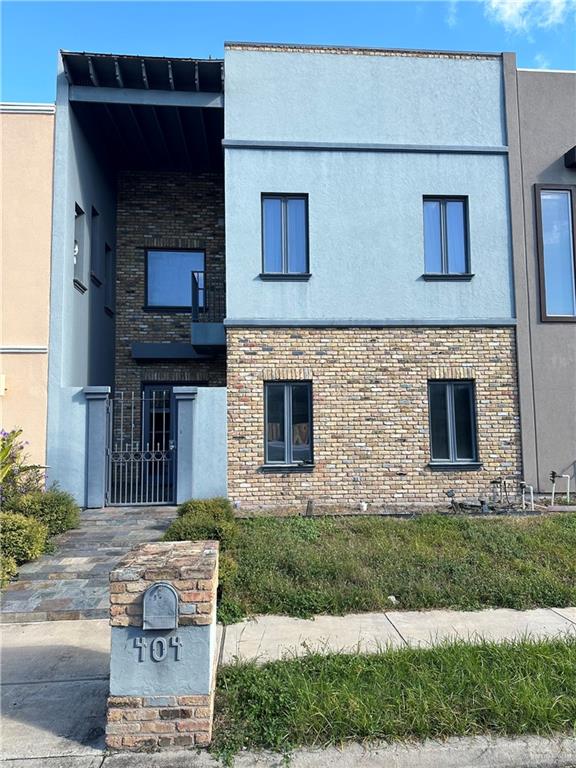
x=165, y=210
x=370, y=407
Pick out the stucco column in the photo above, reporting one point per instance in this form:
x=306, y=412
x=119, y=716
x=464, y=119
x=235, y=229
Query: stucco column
x=184, y=397
x=96, y=435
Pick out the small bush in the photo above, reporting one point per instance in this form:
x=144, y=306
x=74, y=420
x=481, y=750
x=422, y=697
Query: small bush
x=219, y=508
x=16, y=476
x=21, y=537
x=8, y=568
x=198, y=526
x=55, y=508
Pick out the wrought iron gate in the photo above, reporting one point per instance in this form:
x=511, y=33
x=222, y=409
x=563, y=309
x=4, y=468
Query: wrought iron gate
x=141, y=452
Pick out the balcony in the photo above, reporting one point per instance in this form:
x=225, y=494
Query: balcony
x=208, y=312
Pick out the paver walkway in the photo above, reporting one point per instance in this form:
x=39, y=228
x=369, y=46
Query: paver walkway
x=72, y=583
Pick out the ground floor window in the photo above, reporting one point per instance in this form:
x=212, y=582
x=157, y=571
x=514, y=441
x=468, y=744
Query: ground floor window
x=452, y=422
x=288, y=422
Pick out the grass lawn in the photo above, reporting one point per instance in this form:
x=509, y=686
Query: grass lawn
x=305, y=566
x=454, y=689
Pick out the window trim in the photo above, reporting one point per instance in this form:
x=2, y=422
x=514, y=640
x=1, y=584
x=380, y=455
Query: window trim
x=96, y=270
x=445, y=275
x=453, y=462
x=571, y=188
x=79, y=263
x=109, y=279
x=284, y=275
x=286, y=465
x=169, y=309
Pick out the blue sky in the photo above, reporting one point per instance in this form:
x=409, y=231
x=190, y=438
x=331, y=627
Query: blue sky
x=542, y=32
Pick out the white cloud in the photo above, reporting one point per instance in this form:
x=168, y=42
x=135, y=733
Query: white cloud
x=452, y=13
x=523, y=15
x=541, y=61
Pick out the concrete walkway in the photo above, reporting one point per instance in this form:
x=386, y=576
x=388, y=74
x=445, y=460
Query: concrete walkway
x=72, y=582
x=54, y=675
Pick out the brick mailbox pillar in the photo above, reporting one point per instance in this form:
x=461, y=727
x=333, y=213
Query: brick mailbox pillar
x=163, y=648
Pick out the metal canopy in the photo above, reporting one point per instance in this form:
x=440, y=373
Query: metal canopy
x=149, y=113
x=109, y=70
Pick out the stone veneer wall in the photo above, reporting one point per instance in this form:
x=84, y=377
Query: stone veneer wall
x=165, y=210
x=370, y=412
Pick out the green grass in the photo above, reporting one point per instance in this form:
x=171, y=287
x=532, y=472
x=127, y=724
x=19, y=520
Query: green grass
x=454, y=689
x=306, y=566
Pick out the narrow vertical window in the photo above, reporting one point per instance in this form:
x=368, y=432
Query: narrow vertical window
x=556, y=209
x=446, y=236
x=452, y=422
x=285, y=235
x=79, y=247
x=288, y=429
x=95, y=249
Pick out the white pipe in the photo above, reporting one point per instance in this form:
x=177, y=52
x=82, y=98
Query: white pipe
x=567, y=488
x=553, y=492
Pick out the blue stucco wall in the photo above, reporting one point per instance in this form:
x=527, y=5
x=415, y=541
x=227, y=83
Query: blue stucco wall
x=209, y=454
x=366, y=236
x=304, y=96
x=81, y=349
x=365, y=207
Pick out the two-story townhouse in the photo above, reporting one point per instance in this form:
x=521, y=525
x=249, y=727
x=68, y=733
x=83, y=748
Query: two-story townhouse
x=370, y=302
x=542, y=128
x=26, y=137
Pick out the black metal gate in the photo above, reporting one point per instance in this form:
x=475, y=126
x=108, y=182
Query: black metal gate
x=141, y=452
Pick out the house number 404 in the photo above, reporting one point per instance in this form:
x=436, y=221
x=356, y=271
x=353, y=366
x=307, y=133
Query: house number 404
x=157, y=648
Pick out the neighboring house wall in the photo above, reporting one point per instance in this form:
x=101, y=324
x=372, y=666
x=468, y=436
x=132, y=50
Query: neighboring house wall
x=27, y=151
x=165, y=211
x=542, y=115
x=366, y=135
x=81, y=329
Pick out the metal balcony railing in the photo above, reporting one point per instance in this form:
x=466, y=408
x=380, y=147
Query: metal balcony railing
x=208, y=303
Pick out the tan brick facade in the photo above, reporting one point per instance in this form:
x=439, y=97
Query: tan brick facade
x=370, y=412
x=166, y=210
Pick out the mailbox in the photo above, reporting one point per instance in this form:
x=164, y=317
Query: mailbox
x=160, y=607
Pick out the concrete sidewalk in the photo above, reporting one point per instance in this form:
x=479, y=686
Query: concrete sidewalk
x=54, y=679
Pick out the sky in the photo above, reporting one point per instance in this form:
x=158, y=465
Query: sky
x=541, y=32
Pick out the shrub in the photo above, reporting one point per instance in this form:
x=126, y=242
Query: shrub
x=8, y=569
x=21, y=537
x=55, y=508
x=198, y=526
x=219, y=508
x=16, y=477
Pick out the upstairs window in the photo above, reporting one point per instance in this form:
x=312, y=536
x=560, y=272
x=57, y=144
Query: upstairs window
x=285, y=234
x=452, y=422
x=169, y=279
x=288, y=415
x=556, y=208
x=109, y=279
x=446, y=236
x=79, y=252
x=95, y=249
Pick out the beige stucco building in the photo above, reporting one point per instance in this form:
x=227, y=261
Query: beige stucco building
x=26, y=132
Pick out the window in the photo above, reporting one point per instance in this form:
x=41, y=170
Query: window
x=285, y=235
x=446, y=236
x=288, y=438
x=109, y=279
x=95, y=253
x=169, y=279
x=556, y=244
x=79, y=247
x=452, y=422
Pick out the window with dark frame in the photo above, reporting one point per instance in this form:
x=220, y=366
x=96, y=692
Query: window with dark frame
x=79, y=246
x=556, y=216
x=446, y=249
x=452, y=422
x=288, y=427
x=285, y=234
x=169, y=279
x=95, y=249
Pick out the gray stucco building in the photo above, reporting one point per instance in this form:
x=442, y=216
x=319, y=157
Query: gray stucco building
x=541, y=113
x=313, y=277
